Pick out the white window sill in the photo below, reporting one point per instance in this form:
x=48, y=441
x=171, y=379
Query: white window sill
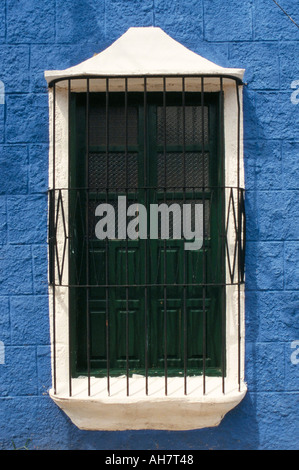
x=175, y=411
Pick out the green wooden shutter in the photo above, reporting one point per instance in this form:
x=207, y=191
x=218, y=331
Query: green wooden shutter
x=183, y=321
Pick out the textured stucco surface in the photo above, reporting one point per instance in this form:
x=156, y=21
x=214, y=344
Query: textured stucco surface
x=38, y=36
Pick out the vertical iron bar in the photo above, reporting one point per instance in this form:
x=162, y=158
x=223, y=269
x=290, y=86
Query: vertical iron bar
x=239, y=237
x=146, y=240
x=54, y=136
x=69, y=167
x=243, y=232
x=223, y=329
x=52, y=241
x=107, y=246
x=52, y=208
x=127, y=272
x=184, y=251
x=87, y=236
x=56, y=225
x=51, y=228
x=164, y=254
x=204, y=339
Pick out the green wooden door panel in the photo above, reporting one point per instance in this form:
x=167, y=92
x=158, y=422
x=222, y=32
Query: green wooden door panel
x=124, y=267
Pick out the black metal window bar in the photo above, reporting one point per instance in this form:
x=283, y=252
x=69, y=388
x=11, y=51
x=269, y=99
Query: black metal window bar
x=119, y=177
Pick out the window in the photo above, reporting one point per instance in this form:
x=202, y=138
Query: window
x=147, y=304
x=146, y=247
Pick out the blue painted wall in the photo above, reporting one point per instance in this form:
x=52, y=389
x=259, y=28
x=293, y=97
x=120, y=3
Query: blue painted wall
x=55, y=34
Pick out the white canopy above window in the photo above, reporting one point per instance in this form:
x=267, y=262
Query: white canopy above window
x=145, y=51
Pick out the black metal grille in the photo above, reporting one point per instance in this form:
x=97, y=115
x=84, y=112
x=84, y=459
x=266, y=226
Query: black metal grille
x=116, y=171
x=117, y=130
x=195, y=128
x=195, y=175
x=182, y=135
x=232, y=233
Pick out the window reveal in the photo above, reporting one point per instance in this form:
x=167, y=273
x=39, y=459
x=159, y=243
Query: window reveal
x=143, y=306
x=170, y=322
x=118, y=160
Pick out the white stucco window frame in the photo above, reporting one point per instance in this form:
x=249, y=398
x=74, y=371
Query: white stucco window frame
x=153, y=54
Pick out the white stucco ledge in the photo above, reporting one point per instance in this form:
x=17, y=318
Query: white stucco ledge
x=176, y=411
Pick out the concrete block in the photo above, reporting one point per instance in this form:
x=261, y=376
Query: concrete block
x=272, y=215
x=18, y=376
x=266, y=215
x=29, y=320
x=251, y=210
x=263, y=165
x=291, y=215
x=215, y=52
x=35, y=421
x=290, y=154
x=277, y=117
x=179, y=19
x=40, y=269
x=265, y=371
x=291, y=266
x=251, y=130
x=227, y=21
x=13, y=169
x=272, y=316
x=2, y=23
x=38, y=168
x=27, y=118
x=264, y=265
x=120, y=16
x=27, y=219
x=30, y=21
x=3, y=221
x=4, y=321
x=15, y=270
x=277, y=416
x=289, y=67
x=44, y=369
x=261, y=61
x=270, y=23
x=81, y=21
x=14, y=68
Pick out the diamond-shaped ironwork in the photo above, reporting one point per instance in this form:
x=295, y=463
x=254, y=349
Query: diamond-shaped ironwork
x=60, y=214
x=231, y=213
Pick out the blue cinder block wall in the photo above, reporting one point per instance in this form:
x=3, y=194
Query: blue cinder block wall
x=55, y=34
